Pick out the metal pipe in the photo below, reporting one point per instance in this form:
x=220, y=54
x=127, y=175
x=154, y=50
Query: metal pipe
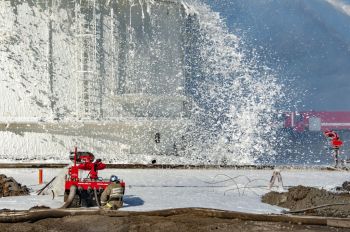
x=75, y=156
x=42, y=189
x=96, y=198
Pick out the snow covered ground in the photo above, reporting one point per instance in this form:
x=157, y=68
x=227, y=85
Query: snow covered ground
x=237, y=190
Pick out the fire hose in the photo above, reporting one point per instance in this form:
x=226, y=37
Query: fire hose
x=313, y=208
x=72, y=192
x=35, y=215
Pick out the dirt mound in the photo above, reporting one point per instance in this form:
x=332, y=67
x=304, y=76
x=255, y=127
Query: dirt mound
x=10, y=187
x=345, y=186
x=301, y=197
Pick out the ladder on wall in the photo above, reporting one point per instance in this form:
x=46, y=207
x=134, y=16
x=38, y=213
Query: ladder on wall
x=87, y=78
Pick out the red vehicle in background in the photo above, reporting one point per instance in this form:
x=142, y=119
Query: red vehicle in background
x=316, y=121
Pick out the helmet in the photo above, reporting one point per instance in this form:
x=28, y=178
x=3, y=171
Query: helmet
x=114, y=178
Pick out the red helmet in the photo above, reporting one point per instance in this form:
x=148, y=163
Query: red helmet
x=331, y=134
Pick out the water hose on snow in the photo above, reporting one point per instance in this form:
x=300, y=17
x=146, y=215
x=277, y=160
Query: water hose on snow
x=72, y=192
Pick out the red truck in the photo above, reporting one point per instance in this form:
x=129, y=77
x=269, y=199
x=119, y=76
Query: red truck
x=316, y=121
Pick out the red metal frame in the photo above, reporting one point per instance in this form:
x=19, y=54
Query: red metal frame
x=85, y=184
x=299, y=121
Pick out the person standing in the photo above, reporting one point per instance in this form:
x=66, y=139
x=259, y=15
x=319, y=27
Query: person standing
x=336, y=143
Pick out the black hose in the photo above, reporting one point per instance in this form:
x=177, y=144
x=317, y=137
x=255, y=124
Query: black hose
x=42, y=189
x=96, y=198
x=72, y=192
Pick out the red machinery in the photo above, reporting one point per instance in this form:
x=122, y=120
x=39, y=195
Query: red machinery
x=87, y=190
x=316, y=121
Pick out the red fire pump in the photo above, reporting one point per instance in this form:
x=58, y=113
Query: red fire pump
x=85, y=192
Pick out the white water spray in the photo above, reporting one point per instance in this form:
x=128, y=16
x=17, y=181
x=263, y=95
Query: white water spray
x=242, y=96
x=233, y=97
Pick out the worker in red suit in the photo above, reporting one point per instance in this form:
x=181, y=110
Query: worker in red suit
x=336, y=143
x=93, y=167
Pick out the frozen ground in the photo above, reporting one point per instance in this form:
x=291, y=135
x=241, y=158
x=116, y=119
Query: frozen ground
x=165, y=188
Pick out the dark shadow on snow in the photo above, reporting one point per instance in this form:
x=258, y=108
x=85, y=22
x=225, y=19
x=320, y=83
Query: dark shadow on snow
x=131, y=200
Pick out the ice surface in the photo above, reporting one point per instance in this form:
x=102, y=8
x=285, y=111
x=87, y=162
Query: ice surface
x=164, y=188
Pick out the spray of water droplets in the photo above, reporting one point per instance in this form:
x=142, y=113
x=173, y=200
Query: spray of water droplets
x=233, y=95
x=236, y=111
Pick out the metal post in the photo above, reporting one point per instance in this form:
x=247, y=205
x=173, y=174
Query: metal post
x=40, y=176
